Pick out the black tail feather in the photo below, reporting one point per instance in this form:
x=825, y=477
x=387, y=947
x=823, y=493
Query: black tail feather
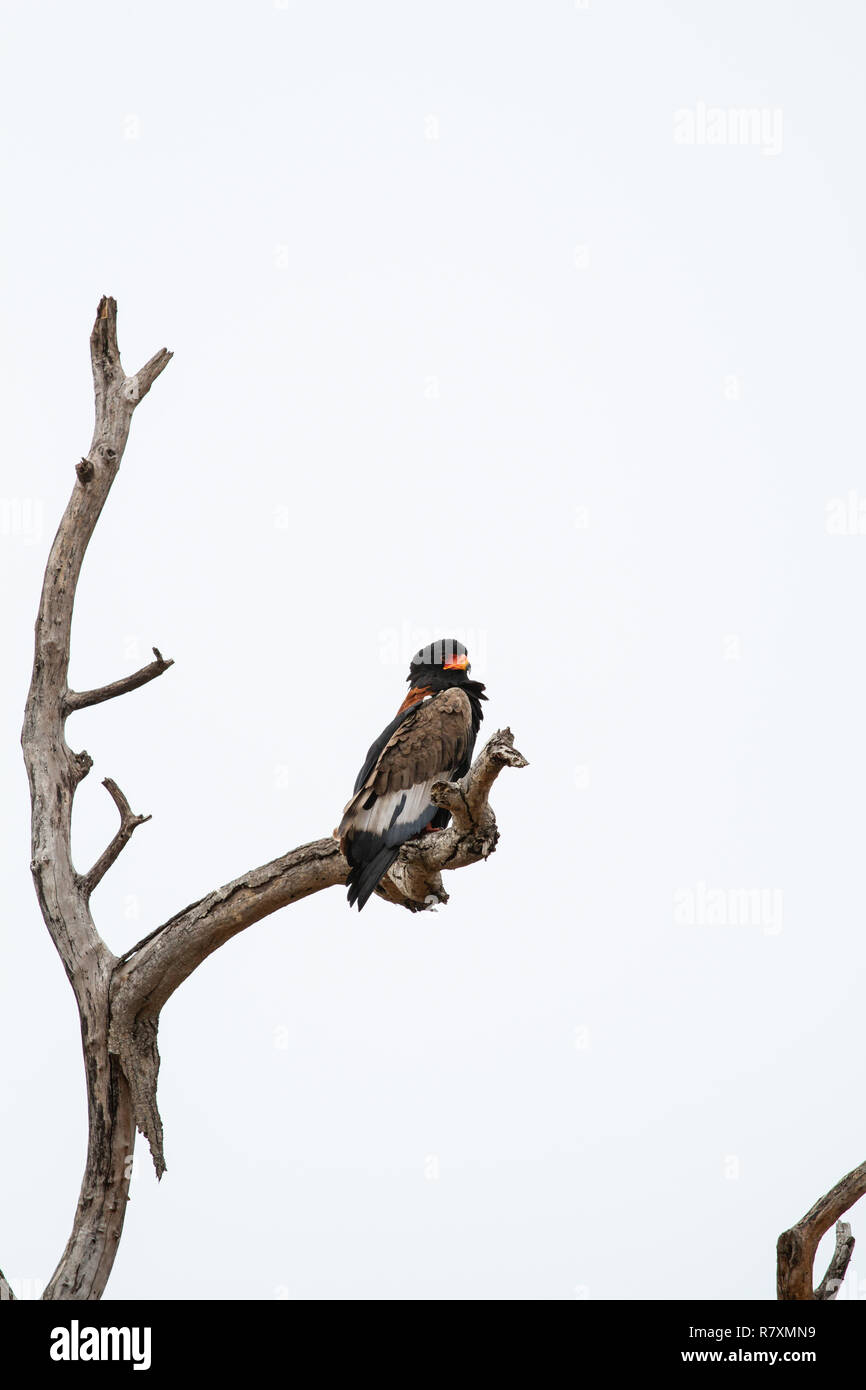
x=363, y=878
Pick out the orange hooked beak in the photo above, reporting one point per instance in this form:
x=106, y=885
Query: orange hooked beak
x=455, y=663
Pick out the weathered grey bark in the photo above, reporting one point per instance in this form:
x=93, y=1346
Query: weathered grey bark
x=832, y=1282
x=55, y=771
x=796, y=1248
x=119, y=999
x=415, y=880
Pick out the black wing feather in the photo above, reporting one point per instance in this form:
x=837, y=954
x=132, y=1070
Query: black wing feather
x=376, y=748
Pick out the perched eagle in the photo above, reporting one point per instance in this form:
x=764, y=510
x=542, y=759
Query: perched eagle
x=431, y=739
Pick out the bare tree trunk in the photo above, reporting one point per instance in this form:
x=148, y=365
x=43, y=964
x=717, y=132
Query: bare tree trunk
x=119, y=999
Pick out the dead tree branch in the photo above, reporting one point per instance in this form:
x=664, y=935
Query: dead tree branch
x=838, y=1266
x=119, y=999
x=81, y=699
x=128, y=822
x=796, y=1248
x=415, y=880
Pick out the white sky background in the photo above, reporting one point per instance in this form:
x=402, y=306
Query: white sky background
x=551, y=383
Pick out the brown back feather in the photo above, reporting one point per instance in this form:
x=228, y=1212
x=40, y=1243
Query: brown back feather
x=429, y=744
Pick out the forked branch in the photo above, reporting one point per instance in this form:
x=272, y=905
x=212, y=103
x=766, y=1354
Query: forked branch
x=415, y=880
x=128, y=822
x=796, y=1248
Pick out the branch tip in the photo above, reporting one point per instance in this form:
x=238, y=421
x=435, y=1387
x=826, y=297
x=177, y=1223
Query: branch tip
x=833, y=1280
x=82, y=699
x=139, y=385
x=103, y=337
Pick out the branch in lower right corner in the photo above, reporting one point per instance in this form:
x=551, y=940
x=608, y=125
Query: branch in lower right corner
x=797, y=1247
x=833, y=1280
